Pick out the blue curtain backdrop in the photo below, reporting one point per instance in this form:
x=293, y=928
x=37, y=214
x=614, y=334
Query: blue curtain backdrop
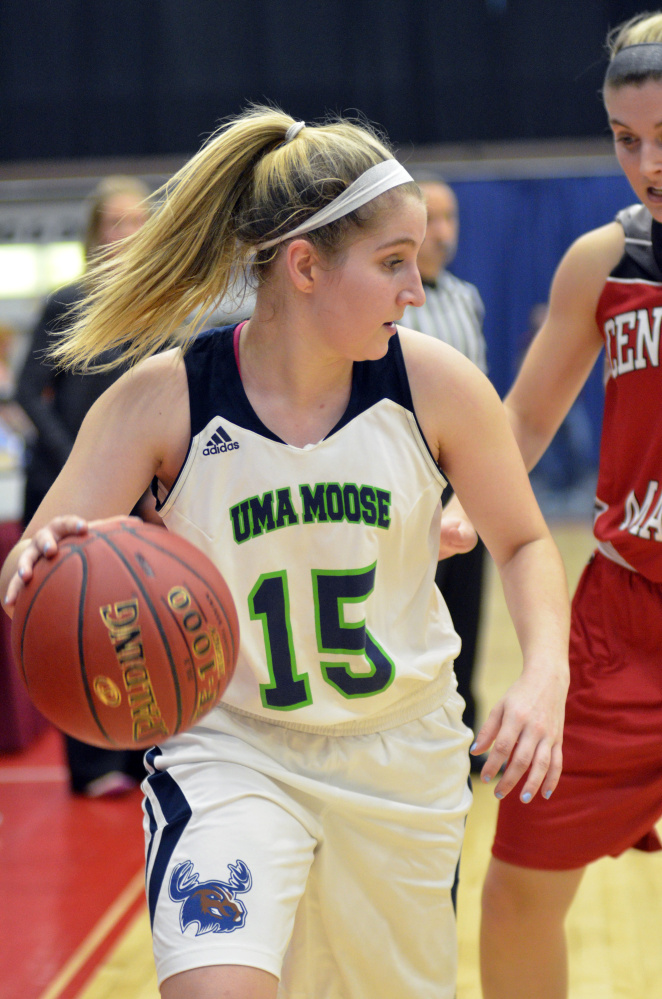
x=512, y=235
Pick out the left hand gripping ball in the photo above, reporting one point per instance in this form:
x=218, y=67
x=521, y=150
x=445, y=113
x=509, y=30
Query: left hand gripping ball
x=127, y=636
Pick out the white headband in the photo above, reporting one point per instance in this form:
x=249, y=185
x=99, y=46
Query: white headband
x=374, y=181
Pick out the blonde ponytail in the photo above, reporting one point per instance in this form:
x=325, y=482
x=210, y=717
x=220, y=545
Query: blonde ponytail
x=245, y=186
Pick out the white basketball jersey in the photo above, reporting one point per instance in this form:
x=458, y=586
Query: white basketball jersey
x=329, y=550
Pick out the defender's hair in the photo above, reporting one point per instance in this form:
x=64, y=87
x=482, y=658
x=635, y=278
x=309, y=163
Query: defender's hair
x=245, y=186
x=644, y=27
x=635, y=52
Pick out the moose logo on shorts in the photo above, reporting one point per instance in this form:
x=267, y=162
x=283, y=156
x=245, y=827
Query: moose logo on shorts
x=213, y=905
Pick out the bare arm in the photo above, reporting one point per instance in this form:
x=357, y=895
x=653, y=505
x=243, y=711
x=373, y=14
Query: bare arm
x=556, y=366
x=139, y=428
x=467, y=429
x=564, y=351
x=552, y=375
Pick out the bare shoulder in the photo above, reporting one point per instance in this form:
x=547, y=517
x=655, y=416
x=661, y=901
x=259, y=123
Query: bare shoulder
x=443, y=383
x=161, y=379
x=589, y=261
x=427, y=357
x=578, y=285
x=149, y=405
x=606, y=241
x=149, y=390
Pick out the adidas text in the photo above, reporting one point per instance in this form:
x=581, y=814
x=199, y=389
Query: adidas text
x=220, y=448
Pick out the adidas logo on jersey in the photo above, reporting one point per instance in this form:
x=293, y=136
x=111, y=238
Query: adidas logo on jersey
x=220, y=442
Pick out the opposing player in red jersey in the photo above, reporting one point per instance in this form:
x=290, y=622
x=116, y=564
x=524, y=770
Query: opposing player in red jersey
x=607, y=293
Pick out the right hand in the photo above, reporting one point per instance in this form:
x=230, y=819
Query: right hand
x=43, y=544
x=525, y=731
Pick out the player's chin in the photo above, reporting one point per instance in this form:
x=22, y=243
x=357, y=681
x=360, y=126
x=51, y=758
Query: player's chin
x=379, y=346
x=388, y=330
x=376, y=346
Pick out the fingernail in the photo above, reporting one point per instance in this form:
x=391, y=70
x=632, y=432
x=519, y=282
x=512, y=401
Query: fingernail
x=471, y=748
x=526, y=797
x=486, y=778
x=21, y=573
x=547, y=794
x=79, y=525
x=498, y=794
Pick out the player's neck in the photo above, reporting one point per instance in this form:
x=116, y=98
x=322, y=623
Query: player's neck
x=296, y=391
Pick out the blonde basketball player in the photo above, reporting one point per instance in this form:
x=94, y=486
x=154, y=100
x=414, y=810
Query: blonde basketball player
x=304, y=840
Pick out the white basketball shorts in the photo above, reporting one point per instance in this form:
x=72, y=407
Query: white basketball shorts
x=327, y=861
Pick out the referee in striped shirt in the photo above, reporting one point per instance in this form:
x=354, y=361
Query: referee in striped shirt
x=453, y=312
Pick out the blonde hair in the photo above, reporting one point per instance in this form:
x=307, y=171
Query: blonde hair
x=644, y=27
x=244, y=187
x=105, y=190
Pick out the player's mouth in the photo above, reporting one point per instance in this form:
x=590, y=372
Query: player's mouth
x=391, y=326
x=655, y=194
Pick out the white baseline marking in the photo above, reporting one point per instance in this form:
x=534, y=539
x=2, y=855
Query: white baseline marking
x=33, y=775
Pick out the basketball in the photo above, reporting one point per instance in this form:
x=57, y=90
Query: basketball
x=127, y=636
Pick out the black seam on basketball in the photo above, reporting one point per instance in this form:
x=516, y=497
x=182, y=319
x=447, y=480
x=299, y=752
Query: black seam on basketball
x=63, y=557
x=155, y=617
x=182, y=632
x=81, y=648
x=166, y=551
x=175, y=558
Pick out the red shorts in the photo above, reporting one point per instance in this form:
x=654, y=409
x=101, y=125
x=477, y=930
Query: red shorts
x=610, y=793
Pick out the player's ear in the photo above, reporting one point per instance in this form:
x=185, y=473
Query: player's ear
x=300, y=260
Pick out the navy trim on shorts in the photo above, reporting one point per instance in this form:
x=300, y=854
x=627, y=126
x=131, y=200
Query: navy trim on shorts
x=177, y=813
x=152, y=830
x=456, y=885
x=456, y=879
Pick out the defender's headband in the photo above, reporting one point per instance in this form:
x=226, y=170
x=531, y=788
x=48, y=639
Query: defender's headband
x=375, y=181
x=635, y=62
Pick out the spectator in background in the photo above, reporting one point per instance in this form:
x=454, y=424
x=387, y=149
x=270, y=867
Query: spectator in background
x=56, y=403
x=453, y=312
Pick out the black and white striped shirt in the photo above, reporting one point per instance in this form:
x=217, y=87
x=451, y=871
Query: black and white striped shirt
x=453, y=312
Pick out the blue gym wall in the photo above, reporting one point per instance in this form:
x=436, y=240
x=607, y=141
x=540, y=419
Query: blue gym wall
x=512, y=235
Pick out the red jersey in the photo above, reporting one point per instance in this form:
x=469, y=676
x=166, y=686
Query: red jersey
x=628, y=519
